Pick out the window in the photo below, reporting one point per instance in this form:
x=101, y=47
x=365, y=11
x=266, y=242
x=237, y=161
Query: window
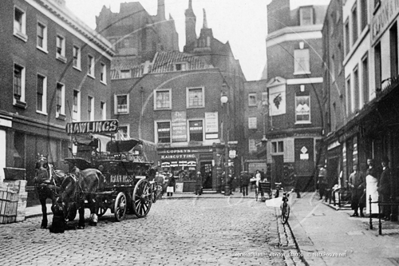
x=90, y=65
x=302, y=65
x=252, y=146
x=121, y=104
x=363, y=14
x=393, y=45
x=76, y=106
x=60, y=100
x=42, y=36
x=103, y=73
x=103, y=107
x=306, y=16
x=378, y=70
x=365, y=79
x=347, y=41
x=180, y=67
x=302, y=109
x=196, y=130
x=19, y=83
x=252, y=99
x=332, y=68
x=76, y=57
x=163, y=132
x=20, y=24
x=125, y=74
x=41, y=94
x=123, y=132
x=252, y=123
x=356, y=90
x=264, y=99
x=348, y=94
x=354, y=24
x=163, y=99
x=60, y=46
x=277, y=146
x=195, y=97
x=90, y=108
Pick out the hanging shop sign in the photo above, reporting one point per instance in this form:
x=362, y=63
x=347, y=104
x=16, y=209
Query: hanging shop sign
x=104, y=126
x=179, y=126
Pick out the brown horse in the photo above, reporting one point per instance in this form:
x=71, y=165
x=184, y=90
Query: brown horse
x=47, y=182
x=79, y=187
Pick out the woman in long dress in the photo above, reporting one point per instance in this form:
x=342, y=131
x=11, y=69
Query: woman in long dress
x=371, y=187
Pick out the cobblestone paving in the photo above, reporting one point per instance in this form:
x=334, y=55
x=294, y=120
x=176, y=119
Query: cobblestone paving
x=176, y=232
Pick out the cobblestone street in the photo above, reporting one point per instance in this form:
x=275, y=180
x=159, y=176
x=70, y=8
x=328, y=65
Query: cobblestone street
x=213, y=231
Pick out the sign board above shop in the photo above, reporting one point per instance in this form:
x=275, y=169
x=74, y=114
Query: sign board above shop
x=98, y=127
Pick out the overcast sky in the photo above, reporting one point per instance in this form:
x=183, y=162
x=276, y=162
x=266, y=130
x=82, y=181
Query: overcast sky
x=241, y=22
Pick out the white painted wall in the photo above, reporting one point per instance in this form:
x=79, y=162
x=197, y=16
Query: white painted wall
x=2, y=153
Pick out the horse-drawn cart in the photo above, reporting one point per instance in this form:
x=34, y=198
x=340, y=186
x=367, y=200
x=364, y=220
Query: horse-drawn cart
x=126, y=187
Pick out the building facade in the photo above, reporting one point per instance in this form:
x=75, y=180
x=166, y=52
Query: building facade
x=54, y=70
x=174, y=102
x=295, y=78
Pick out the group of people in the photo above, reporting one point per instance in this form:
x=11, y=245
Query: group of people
x=168, y=182
x=246, y=178
x=375, y=183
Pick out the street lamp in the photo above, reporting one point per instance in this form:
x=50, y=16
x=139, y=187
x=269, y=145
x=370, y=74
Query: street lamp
x=224, y=100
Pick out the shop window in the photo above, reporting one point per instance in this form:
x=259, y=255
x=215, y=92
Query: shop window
x=195, y=97
x=163, y=99
x=163, y=132
x=196, y=130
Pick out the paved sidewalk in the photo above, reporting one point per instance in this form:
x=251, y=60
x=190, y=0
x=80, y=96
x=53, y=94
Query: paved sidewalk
x=329, y=237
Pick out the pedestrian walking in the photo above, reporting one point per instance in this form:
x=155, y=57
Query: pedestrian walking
x=384, y=186
x=171, y=185
x=356, y=185
x=322, y=182
x=244, y=181
x=371, y=187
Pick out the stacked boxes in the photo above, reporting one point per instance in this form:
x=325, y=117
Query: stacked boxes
x=12, y=201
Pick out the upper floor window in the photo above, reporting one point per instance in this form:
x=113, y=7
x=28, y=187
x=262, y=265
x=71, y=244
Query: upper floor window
x=196, y=130
x=60, y=100
x=41, y=94
x=41, y=36
x=355, y=32
x=301, y=64
x=90, y=108
x=252, y=122
x=252, y=146
x=306, y=16
x=347, y=38
x=121, y=104
x=163, y=132
x=123, y=132
x=76, y=57
x=103, y=73
x=125, y=74
x=252, y=99
x=163, y=99
x=76, y=106
x=302, y=109
x=20, y=24
x=195, y=97
x=264, y=99
x=19, y=83
x=90, y=65
x=180, y=66
x=363, y=14
x=103, y=107
x=60, y=46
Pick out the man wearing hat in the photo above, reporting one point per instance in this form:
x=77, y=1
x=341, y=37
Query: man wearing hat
x=384, y=186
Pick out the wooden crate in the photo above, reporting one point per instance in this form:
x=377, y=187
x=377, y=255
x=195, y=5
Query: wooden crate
x=8, y=206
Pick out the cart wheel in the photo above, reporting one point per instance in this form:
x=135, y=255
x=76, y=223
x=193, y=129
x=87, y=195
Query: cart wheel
x=120, y=207
x=101, y=211
x=141, y=198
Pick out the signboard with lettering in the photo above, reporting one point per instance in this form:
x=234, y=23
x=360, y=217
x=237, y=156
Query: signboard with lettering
x=179, y=126
x=383, y=17
x=104, y=126
x=211, y=125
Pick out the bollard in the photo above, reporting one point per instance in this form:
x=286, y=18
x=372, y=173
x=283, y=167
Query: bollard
x=371, y=220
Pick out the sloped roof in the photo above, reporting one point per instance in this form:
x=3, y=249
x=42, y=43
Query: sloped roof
x=165, y=62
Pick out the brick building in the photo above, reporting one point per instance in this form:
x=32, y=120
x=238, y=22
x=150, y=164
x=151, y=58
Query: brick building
x=295, y=78
x=54, y=70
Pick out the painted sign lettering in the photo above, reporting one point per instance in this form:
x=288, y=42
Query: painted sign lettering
x=105, y=126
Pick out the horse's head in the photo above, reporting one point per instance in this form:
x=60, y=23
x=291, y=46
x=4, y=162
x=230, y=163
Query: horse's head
x=42, y=173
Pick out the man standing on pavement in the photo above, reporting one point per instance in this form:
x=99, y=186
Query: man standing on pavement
x=244, y=182
x=322, y=182
x=384, y=186
x=356, y=185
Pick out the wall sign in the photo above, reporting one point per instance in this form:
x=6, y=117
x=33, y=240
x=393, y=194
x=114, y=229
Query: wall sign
x=179, y=126
x=105, y=126
x=211, y=125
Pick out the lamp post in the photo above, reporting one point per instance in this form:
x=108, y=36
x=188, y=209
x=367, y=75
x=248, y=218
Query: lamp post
x=224, y=101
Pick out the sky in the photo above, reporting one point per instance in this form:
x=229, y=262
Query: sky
x=243, y=23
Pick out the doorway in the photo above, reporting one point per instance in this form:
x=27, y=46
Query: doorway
x=277, y=169
x=206, y=172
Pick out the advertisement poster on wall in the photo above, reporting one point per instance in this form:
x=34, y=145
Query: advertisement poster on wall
x=211, y=125
x=179, y=126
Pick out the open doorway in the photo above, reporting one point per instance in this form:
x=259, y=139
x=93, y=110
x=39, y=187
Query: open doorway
x=206, y=172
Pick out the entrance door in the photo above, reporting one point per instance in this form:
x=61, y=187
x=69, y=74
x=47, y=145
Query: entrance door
x=277, y=168
x=206, y=172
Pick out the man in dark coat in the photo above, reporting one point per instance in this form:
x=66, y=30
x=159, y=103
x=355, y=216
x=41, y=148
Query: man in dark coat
x=244, y=182
x=198, y=184
x=356, y=185
x=384, y=186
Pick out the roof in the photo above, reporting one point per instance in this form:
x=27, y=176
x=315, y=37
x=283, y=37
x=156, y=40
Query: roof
x=165, y=62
